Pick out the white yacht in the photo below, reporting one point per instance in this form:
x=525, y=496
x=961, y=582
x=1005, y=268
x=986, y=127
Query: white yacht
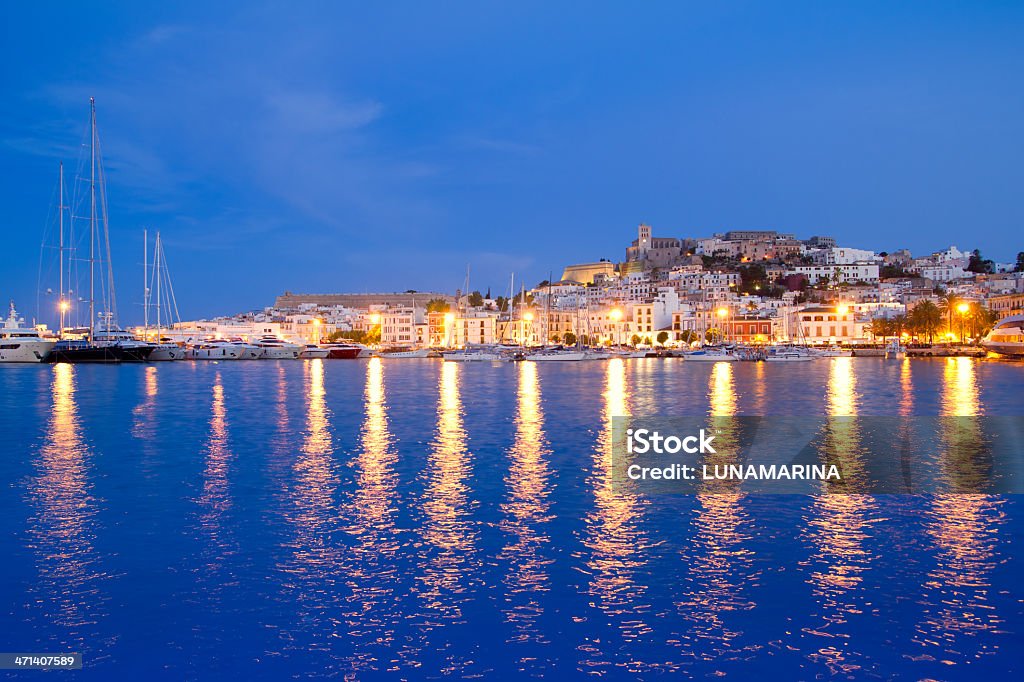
x=470, y=355
x=215, y=349
x=278, y=349
x=166, y=351
x=1007, y=337
x=710, y=355
x=311, y=350
x=21, y=344
x=557, y=355
x=789, y=355
x=834, y=352
x=406, y=353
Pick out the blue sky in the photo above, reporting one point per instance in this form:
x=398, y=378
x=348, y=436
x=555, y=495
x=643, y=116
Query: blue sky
x=383, y=146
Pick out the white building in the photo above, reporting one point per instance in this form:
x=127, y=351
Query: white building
x=838, y=274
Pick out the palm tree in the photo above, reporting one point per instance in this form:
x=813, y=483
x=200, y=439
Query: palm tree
x=925, y=319
x=947, y=305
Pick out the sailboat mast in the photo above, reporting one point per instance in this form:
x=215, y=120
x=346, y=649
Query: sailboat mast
x=158, y=252
x=145, y=282
x=92, y=216
x=60, y=248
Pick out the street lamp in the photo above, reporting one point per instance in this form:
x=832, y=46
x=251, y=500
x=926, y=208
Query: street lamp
x=962, y=309
x=616, y=316
x=316, y=331
x=449, y=318
x=722, y=314
x=527, y=318
x=64, y=306
x=843, y=309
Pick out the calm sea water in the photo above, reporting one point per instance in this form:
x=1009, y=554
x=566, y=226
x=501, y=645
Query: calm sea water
x=269, y=520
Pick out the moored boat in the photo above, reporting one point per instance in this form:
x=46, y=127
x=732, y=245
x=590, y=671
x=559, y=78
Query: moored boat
x=342, y=351
x=710, y=355
x=215, y=349
x=277, y=349
x=311, y=351
x=22, y=344
x=1007, y=337
x=557, y=355
x=407, y=353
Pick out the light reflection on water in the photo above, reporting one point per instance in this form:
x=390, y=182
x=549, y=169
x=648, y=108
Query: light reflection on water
x=310, y=581
x=526, y=511
x=838, y=525
x=433, y=543
x=68, y=598
x=963, y=528
x=369, y=568
x=718, y=559
x=615, y=535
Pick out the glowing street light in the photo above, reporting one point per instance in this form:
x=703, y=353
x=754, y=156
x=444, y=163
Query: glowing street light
x=616, y=316
x=843, y=309
x=449, y=319
x=962, y=309
x=375, y=319
x=528, y=317
x=722, y=314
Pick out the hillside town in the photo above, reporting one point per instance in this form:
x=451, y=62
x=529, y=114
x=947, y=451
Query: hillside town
x=756, y=287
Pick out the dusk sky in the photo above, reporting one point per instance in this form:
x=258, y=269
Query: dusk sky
x=379, y=147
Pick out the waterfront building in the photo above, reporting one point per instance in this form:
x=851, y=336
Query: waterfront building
x=1006, y=304
x=828, y=325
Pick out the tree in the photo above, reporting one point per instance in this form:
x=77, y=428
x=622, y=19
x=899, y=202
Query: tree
x=1020, y=262
x=569, y=339
x=502, y=303
x=438, y=305
x=925, y=319
x=556, y=338
x=476, y=299
x=688, y=336
x=880, y=327
x=635, y=340
x=979, y=265
x=662, y=338
x=753, y=278
x=947, y=305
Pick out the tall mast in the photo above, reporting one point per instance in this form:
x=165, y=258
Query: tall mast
x=158, y=252
x=60, y=251
x=92, y=216
x=145, y=281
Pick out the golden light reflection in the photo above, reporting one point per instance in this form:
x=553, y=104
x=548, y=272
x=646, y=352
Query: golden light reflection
x=960, y=388
x=312, y=513
x=526, y=511
x=963, y=526
x=720, y=566
x=144, y=414
x=448, y=530
x=216, y=499
x=370, y=567
x=62, y=530
x=906, y=389
x=838, y=524
x=615, y=536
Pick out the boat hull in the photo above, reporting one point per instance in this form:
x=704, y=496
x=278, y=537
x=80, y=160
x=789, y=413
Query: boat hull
x=20, y=351
x=313, y=353
x=344, y=353
x=215, y=353
x=104, y=355
x=403, y=354
x=573, y=356
x=167, y=353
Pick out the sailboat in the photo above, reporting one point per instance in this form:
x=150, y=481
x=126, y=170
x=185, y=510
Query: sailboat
x=158, y=294
x=104, y=345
